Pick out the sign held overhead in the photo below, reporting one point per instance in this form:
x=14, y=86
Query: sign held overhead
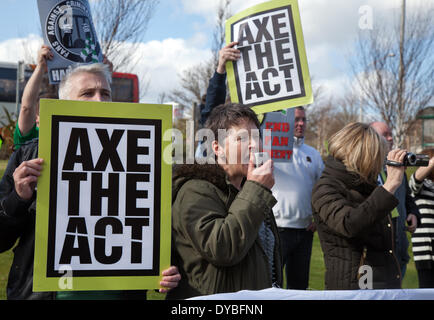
x=272, y=73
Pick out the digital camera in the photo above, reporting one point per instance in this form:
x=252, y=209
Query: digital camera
x=416, y=160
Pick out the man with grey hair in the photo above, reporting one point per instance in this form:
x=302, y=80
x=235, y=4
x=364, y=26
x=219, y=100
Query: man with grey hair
x=89, y=82
x=27, y=127
x=18, y=197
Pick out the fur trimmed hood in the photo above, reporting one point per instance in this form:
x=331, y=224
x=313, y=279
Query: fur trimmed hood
x=212, y=173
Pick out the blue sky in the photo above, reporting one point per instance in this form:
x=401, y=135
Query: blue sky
x=20, y=17
x=180, y=32
x=13, y=11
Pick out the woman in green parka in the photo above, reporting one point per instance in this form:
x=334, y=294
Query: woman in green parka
x=224, y=236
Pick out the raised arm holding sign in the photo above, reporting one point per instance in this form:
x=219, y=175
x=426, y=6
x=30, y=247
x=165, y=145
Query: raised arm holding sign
x=272, y=72
x=266, y=39
x=18, y=207
x=68, y=29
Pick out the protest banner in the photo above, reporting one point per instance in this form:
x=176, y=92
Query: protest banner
x=272, y=73
x=104, y=196
x=68, y=28
x=280, y=140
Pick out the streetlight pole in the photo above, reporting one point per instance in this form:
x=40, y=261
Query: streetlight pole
x=20, y=78
x=401, y=83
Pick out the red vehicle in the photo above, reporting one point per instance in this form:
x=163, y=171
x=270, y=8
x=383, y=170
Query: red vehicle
x=125, y=86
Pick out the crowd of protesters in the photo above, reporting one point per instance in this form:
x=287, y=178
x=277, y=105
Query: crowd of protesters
x=238, y=226
x=17, y=187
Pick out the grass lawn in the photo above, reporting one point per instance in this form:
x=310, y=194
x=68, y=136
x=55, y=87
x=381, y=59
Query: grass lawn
x=316, y=281
x=316, y=270
x=6, y=257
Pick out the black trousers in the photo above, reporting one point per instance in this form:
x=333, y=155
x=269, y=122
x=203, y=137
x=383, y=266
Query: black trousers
x=296, y=246
x=426, y=278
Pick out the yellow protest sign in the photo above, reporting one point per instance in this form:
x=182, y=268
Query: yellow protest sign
x=103, y=218
x=272, y=73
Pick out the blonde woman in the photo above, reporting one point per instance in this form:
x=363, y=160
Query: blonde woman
x=352, y=212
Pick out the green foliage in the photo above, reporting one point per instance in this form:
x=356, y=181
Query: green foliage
x=5, y=264
x=6, y=257
x=8, y=123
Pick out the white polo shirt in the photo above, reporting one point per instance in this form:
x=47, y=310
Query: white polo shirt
x=293, y=186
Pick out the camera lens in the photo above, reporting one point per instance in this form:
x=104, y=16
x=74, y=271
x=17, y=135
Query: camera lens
x=411, y=158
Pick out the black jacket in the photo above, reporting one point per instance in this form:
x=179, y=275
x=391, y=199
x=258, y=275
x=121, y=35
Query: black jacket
x=17, y=222
x=353, y=217
x=215, y=95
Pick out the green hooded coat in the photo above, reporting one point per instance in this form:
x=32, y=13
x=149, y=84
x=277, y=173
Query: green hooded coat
x=215, y=233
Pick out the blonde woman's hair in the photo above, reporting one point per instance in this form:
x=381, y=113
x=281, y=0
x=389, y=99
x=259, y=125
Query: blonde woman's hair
x=361, y=149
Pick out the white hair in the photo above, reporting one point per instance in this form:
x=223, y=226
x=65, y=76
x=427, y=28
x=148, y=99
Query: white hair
x=95, y=68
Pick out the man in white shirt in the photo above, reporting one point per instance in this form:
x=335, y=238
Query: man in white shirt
x=293, y=212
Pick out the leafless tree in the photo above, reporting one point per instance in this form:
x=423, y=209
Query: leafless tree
x=348, y=107
x=194, y=81
x=394, y=68
x=121, y=26
x=223, y=13
x=319, y=123
x=327, y=115
x=319, y=115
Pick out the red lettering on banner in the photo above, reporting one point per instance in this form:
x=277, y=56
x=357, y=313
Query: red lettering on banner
x=277, y=126
x=281, y=154
x=278, y=141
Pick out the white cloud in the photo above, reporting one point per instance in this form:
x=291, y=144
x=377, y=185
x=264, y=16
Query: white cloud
x=200, y=7
x=198, y=40
x=208, y=8
x=160, y=62
x=16, y=49
x=329, y=27
x=333, y=87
